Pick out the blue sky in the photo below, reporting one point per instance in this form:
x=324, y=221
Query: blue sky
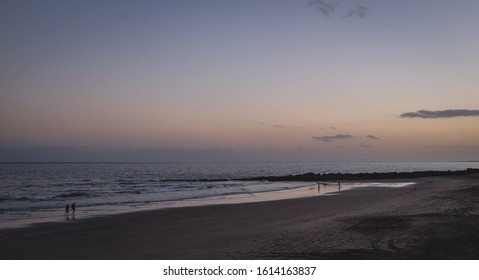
x=249, y=76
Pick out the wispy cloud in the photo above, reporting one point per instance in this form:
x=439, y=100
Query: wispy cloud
x=324, y=7
x=332, y=138
x=452, y=113
x=272, y=125
x=360, y=11
x=373, y=137
x=327, y=7
x=364, y=145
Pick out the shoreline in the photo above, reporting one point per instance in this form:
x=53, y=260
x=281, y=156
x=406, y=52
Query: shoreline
x=301, y=190
x=311, y=177
x=438, y=218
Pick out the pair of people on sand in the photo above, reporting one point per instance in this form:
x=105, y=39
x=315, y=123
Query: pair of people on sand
x=67, y=209
x=319, y=186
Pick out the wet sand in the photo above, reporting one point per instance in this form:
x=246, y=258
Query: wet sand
x=437, y=218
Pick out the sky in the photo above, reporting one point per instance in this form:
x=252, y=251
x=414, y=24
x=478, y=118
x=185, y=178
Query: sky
x=263, y=80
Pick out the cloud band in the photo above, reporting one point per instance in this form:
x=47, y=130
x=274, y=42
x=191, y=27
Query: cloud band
x=332, y=138
x=425, y=114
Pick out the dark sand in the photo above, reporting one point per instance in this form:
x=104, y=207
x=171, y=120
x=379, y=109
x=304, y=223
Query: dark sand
x=438, y=218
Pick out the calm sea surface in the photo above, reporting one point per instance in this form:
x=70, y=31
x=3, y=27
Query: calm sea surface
x=33, y=192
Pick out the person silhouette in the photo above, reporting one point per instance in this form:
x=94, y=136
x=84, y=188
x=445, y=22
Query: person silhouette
x=67, y=210
x=73, y=209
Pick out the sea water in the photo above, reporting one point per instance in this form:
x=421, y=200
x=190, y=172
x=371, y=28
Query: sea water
x=38, y=192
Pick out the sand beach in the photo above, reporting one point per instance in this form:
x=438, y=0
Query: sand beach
x=436, y=218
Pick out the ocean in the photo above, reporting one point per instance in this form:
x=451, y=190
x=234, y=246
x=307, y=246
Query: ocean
x=38, y=192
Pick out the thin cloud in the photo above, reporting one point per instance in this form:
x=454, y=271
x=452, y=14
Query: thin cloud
x=332, y=138
x=452, y=113
x=360, y=11
x=272, y=125
x=327, y=8
x=373, y=137
x=324, y=7
x=365, y=145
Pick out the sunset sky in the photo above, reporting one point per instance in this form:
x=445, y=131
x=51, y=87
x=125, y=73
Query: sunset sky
x=278, y=79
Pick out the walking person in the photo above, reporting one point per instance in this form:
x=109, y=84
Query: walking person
x=73, y=209
x=67, y=210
